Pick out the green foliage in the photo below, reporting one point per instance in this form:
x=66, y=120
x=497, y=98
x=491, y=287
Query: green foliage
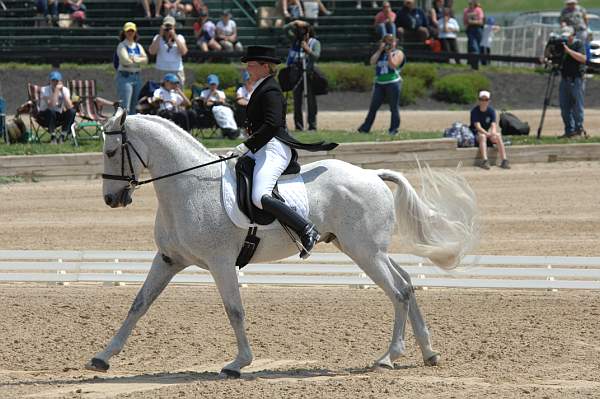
x=412, y=88
x=426, y=72
x=229, y=74
x=461, y=88
x=348, y=77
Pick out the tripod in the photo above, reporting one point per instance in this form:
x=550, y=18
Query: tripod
x=304, y=81
x=548, y=95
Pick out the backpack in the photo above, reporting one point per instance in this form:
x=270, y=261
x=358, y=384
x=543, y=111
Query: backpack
x=512, y=126
x=461, y=132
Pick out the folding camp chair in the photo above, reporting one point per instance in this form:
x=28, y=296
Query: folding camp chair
x=32, y=109
x=89, y=110
x=205, y=125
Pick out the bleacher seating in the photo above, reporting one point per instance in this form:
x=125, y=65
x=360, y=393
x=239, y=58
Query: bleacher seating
x=24, y=36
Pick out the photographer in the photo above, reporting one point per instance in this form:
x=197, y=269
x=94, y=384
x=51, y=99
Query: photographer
x=304, y=44
x=388, y=61
x=169, y=48
x=572, y=85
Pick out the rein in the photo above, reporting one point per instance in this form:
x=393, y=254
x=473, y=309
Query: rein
x=131, y=179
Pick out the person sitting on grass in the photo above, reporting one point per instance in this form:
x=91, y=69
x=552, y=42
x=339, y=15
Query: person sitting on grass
x=56, y=107
x=484, y=126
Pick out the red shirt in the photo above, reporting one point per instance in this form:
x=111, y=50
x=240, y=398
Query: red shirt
x=472, y=14
x=381, y=18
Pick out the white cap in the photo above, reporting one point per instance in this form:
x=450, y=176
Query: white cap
x=567, y=31
x=570, y=1
x=484, y=93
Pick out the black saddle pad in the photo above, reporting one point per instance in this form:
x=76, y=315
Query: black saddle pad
x=244, y=170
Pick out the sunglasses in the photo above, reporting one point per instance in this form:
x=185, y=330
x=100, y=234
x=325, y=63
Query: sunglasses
x=484, y=99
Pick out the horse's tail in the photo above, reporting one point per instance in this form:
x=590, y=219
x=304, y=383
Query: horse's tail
x=442, y=223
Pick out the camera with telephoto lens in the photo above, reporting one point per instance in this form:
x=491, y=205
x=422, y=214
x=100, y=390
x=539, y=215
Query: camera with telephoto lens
x=300, y=32
x=555, y=51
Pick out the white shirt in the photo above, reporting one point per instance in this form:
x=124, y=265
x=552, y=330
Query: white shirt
x=487, y=35
x=452, y=25
x=226, y=30
x=243, y=93
x=46, y=94
x=257, y=83
x=216, y=96
x=169, y=59
x=166, y=96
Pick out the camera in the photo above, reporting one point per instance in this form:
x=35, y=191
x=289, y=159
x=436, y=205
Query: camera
x=555, y=51
x=300, y=32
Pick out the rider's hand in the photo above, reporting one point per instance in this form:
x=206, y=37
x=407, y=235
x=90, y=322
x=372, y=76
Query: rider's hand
x=240, y=150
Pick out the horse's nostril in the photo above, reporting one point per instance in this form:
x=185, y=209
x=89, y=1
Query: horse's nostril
x=108, y=199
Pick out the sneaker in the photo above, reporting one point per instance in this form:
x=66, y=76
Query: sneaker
x=505, y=164
x=362, y=131
x=484, y=164
x=393, y=132
x=61, y=138
x=570, y=135
x=358, y=6
x=53, y=140
x=328, y=13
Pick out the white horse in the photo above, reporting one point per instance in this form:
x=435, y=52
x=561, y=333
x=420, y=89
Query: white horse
x=352, y=207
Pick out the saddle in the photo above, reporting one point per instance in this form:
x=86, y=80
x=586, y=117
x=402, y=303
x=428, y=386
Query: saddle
x=244, y=170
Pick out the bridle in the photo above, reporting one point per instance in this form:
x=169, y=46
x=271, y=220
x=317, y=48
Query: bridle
x=131, y=178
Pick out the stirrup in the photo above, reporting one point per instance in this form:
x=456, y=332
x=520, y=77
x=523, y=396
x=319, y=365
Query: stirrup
x=308, y=240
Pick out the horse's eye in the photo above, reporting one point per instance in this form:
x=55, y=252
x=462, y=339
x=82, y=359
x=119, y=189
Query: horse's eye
x=111, y=153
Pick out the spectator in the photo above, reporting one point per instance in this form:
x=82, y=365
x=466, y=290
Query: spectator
x=487, y=38
x=359, y=4
x=412, y=23
x=304, y=44
x=173, y=8
x=436, y=14
x=56, y=108
x=473, y=18
x=130, y=57
x=50, y=10
x=169, y=48
x=205, y=33
x=192, y=8
x=227, y=33
x=157, y=8
x=484, y=126
x=292, y=9
x=575, y=16
x=388, y=61
x=242, y=96
x=385, y=21
x=172, y=102
x=77, y=10
x=214, y=99
x=572, y=85
x=448, y=28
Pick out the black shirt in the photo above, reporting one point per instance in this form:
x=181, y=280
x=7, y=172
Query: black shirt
x=571, y=68
x=485, y=118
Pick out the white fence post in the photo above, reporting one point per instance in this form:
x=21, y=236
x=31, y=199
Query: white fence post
x=551, y=278
x=59, y=273
x=421, y=275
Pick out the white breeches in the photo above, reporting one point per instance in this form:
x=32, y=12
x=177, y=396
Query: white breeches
x=271, y=161
x=224, y=117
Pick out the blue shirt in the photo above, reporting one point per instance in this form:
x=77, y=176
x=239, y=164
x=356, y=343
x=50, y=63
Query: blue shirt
x=411, y=19
x=485, y=118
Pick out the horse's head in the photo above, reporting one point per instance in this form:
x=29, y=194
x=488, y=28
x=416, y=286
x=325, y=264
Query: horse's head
x=124, y=157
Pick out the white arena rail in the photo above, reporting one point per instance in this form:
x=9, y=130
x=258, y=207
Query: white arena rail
x=486, y=271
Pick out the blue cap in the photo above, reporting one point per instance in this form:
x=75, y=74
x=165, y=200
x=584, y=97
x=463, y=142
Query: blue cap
x=171, y=77
x=212, y=80
x=245, y=76
x=490, y=20
x=55, y=75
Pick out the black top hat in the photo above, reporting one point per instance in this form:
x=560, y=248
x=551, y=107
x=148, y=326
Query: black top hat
x=261, y=54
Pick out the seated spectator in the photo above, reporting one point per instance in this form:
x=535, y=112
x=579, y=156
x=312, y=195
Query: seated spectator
x=214, y=99
x=313, y=12
x=292, y=9
x=385, y=21
x=56, y=108
x=157, y=8
x=172, y=102
x=359, y=4
x=412, y=23
x=436, y=13
x=448, y=29
x=77, y=10
x=242, y=96
x=173, y=8
x=205, y=33
x=193, y=8
x=49, y=8
x=227, y=33
x=484, y=126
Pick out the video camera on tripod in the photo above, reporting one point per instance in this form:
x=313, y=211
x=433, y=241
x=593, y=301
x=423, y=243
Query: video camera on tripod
x=554, y=51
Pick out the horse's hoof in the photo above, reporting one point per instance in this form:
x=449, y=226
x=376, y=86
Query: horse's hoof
x=383, y=367
x=226, y=373
x=434, y=360
x=97, y=365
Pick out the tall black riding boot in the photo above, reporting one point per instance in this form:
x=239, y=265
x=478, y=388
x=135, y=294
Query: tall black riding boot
x=307, y=232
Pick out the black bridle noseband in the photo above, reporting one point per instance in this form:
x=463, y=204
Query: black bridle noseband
x=131, y=179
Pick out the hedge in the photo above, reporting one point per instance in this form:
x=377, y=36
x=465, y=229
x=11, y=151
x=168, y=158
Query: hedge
x=412, y=88
x=461, y=88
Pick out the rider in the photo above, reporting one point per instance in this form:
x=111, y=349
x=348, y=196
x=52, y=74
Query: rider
x=270, y=144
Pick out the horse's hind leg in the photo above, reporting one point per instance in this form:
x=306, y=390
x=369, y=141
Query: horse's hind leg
x=420, y=330
x=158, y=278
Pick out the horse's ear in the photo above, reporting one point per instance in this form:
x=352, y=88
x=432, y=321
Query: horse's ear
x=123, y=116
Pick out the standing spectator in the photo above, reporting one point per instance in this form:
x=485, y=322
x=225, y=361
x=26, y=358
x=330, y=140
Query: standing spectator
x=487, y=38
x=572, y=85
x=205, y=33
x=227, y=33
x=385, y=21
x=388, y=61
x=56, y=108
x=484, y=126
x=292, y=9
x=172, y=102
x=242, y=96
x=436, y=14
x=130, y=57
x=304, y=46
x=215, y=100
x=448, y=28
x=50, y=10
x=412, y=23
x=169, y=48
x=576, y=16
x=157, y=8
x=473, y=18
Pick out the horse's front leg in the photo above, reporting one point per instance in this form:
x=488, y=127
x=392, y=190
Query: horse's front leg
x=158, y=278
x=227, y=283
